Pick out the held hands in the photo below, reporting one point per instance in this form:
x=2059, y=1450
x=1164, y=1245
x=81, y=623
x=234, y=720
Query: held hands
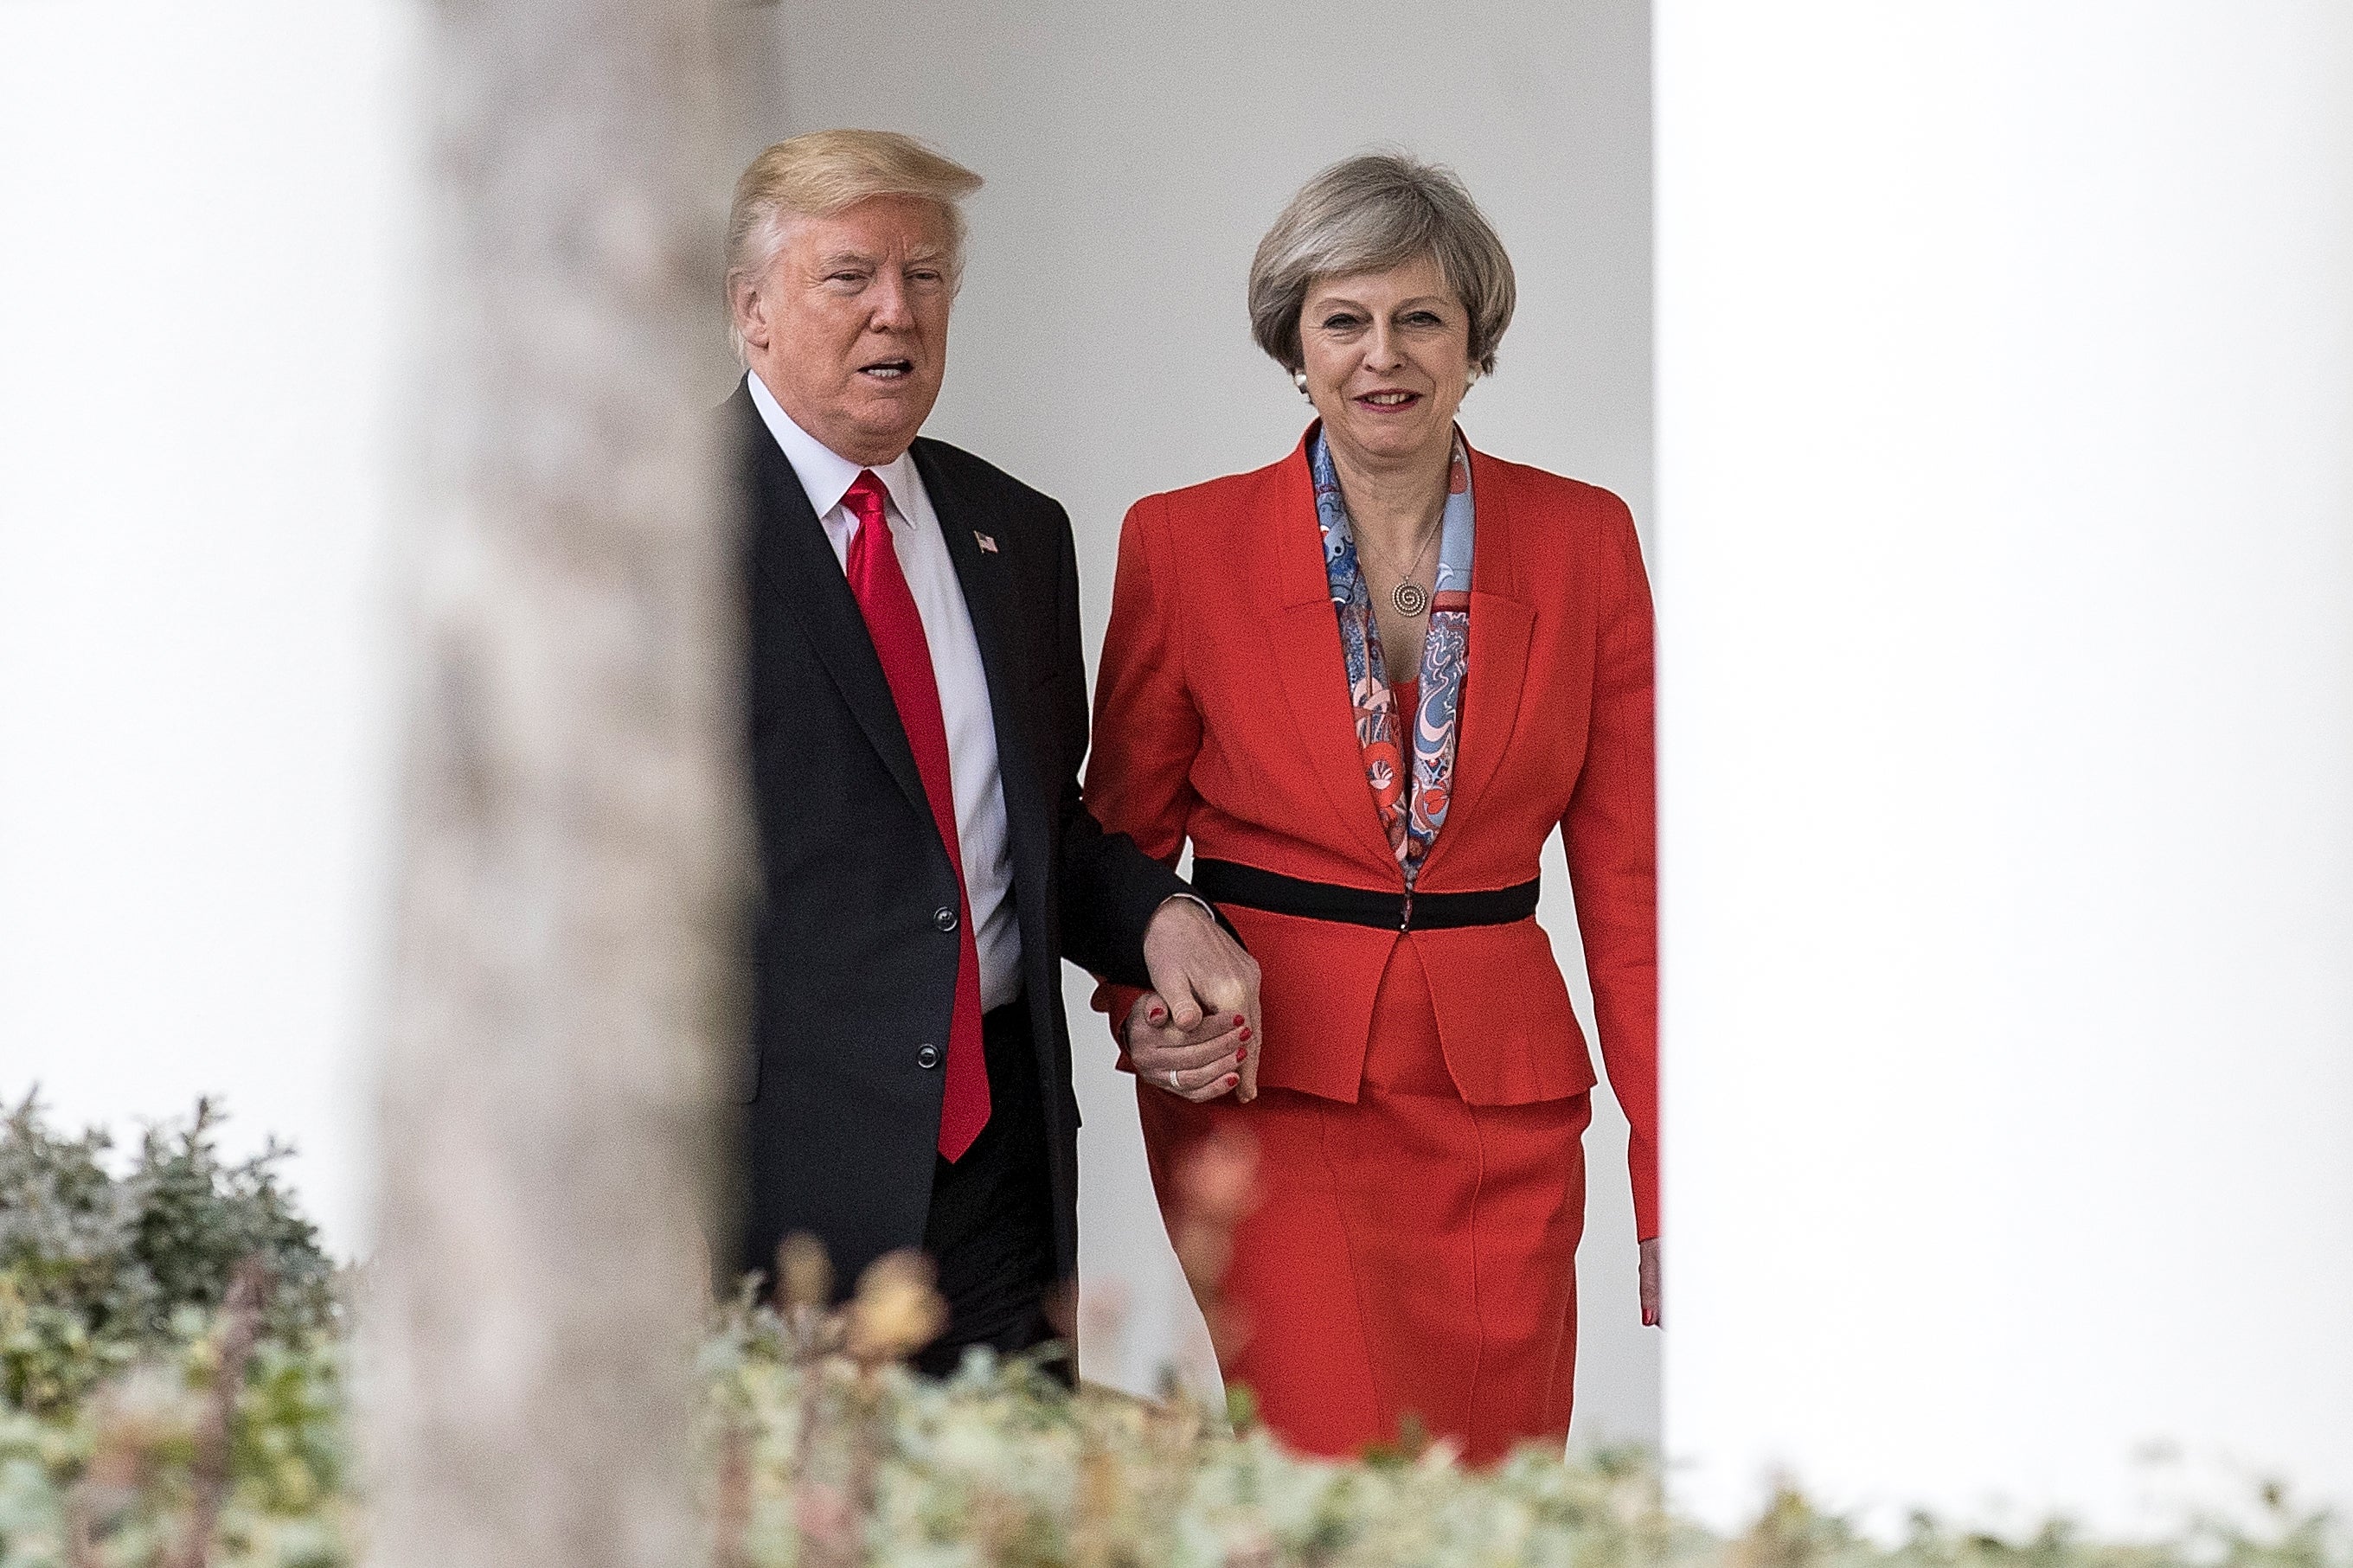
x=1200, y=1020
x=1200, y=1063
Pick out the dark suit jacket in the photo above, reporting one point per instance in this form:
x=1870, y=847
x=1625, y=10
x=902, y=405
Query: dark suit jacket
x=853, y=977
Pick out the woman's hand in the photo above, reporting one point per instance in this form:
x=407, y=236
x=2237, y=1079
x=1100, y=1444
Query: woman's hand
x=1200, y=1063
x=1648, y=1269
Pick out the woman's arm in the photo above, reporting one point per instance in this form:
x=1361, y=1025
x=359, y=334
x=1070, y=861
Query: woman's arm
x=1610, y=834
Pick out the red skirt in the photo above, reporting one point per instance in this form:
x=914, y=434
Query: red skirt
x=1410, y=1254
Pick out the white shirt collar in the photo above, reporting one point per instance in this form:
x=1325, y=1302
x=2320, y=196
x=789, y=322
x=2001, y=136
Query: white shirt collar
x=825, y=474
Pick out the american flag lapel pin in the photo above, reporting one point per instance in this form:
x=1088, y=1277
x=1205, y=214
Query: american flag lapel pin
x=984, y=540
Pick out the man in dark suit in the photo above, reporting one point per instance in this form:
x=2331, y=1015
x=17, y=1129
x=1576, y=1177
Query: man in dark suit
x=918, y=712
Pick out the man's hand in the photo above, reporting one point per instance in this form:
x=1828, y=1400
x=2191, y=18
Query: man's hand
x=1648, y=1269
x=1203, y=980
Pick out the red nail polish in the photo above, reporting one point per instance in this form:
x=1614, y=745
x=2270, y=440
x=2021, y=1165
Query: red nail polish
x=1231, y=1081
x=1245, y=1033
x=1240, y=1020
x=1240, y=1057
x=1159, y=1015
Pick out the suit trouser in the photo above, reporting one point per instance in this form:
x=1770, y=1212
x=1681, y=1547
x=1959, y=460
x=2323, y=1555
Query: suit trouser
x=991, y=1230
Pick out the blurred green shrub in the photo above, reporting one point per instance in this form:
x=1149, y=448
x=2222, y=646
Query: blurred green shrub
x=117, y=1429
x=98, y=1269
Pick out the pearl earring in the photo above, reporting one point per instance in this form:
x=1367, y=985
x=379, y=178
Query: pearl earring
x=1299, y=380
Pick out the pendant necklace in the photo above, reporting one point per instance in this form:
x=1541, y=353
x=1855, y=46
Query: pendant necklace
x=1408, y=598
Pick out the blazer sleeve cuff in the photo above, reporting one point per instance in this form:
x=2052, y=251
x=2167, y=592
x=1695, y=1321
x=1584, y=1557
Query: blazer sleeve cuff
x=1642, y=1164
x=1115, y=1002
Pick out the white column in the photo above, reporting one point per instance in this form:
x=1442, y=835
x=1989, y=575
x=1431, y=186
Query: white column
x=2006, y=462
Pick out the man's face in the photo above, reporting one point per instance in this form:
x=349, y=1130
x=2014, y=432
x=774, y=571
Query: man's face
x=849, y=326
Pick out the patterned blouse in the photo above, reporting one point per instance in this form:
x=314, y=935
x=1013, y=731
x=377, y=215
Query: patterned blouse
x=1412, y=802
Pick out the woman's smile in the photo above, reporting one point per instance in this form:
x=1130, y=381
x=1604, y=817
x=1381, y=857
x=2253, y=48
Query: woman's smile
x=1385, y=357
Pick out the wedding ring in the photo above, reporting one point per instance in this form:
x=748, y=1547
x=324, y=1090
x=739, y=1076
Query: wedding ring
x=1172, y=1083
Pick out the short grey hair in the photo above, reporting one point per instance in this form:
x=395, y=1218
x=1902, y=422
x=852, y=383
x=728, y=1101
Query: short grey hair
x=1369, y=213
x=825, y=171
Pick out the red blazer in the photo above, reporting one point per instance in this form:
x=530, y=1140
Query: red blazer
x=1222, y=716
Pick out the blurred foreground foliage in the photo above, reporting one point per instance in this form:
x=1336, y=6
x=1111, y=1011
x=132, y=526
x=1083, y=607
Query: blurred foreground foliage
x=170, y=1404
x=99, y=1271
x=170, y=1356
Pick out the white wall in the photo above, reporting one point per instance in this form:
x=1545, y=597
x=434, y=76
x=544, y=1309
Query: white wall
x=203, y=211
x=1101, y=350
x=2006, y=384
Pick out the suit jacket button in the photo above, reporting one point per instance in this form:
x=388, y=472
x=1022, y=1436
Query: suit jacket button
x=929, y=1057
x=944, y=918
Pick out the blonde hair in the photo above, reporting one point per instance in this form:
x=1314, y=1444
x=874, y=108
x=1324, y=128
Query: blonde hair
x=825, y=171
x=1369, y=213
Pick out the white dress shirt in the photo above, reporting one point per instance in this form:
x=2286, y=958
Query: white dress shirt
x=981, y=834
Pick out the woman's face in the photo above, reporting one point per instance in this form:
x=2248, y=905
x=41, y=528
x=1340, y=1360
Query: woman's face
x=1387, y=356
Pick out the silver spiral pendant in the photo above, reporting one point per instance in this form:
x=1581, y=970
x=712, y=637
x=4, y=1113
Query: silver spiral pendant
x=1410, y=598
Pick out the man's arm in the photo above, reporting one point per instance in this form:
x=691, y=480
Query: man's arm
x=1126, y=916
x=1110, y=888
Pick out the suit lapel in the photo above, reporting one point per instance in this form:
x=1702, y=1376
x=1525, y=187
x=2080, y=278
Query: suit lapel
x=798, y=566
x=1297, y=594
x=1501, y=626
x=987, y=599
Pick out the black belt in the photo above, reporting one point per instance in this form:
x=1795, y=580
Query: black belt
x=1229, y=882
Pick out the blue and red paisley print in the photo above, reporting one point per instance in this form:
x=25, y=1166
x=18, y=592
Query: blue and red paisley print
x=1412, y=801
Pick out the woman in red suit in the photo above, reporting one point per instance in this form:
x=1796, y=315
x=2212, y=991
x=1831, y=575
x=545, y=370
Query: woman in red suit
x=1366, y=682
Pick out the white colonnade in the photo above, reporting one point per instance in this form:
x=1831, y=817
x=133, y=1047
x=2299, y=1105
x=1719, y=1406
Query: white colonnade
x=2006, y=509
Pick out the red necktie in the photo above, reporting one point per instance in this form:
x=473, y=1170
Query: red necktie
x=898, y=632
